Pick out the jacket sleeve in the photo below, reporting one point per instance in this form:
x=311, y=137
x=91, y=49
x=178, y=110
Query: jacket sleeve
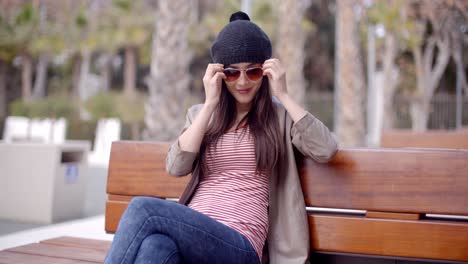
x=178, y=161
x=313, y=139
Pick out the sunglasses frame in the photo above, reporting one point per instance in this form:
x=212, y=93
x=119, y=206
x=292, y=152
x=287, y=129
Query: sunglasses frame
x=246, y=73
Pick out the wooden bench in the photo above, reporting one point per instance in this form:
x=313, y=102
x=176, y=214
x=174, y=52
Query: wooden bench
x=388, y=195
x=62, y=250
x=452, y=139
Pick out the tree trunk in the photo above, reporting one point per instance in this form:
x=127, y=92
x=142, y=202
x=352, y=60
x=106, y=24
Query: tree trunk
x=26, y=77
x=290, y=45
x=3, y=106
x=419, y=111
x=41, y=77
x=135, y=130
x=83, y=90
x=428, y=75
x=76, y=65
x=169, y=80
x=417, y=101
x=106, y=71
x=349, y=78
x=390, y=71
x=130, y=72
x=457, y=56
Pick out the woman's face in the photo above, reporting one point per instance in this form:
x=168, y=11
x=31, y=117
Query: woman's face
x=244, y=89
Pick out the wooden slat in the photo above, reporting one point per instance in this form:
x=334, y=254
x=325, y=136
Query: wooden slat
x=7, y=257
x=389, y=180
x=115, y=207
x=387, y=215
x=139, y=168
x=79, y=243
x=40, y=249
x=114, y=210
x=429, y=139
x=403, y=238
x=122, y=198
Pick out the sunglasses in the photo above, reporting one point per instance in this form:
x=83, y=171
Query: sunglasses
x=253, y=74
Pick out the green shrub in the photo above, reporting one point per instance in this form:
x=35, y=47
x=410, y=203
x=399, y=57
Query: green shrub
x=48, y=107
x=128, y=109
x=102, y=105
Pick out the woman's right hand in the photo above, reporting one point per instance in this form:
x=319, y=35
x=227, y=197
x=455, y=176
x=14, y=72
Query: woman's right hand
x=212, y=81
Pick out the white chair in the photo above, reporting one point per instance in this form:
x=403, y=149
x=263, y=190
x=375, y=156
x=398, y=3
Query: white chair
x=59, y=130
x=40, y=130
x=16, y=129
x=107, y=131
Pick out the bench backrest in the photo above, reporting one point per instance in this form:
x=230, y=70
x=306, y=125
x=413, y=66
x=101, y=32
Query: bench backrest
x=452, y=139
x=390, y=193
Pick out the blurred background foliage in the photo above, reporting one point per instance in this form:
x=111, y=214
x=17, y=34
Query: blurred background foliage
x=88, y=59
x=49, y=107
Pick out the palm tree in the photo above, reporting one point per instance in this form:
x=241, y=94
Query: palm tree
x=8, y=50
x=76, y=23
x=48, y=42
x=7, y=53
x=24, y=31
x=127, y=24
x=169, y=80
x=349, y=78
x=290, y=44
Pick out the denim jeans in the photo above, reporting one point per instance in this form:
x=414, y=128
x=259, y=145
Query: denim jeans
x=153, y=230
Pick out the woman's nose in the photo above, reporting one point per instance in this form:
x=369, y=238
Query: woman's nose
x=242, y=78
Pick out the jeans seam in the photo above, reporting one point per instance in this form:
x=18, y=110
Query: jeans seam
x=170, y=256
x=133, y=240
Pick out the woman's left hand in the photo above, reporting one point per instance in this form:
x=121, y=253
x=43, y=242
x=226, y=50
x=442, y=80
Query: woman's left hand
x=276, y=76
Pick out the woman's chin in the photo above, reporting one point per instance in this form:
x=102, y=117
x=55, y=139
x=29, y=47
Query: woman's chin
x=244, y=100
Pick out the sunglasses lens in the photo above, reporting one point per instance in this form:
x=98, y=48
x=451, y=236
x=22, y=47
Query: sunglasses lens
x=231, y=74
x=254, y=74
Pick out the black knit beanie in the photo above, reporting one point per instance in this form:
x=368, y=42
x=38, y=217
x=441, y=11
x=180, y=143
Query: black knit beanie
x=241, y=41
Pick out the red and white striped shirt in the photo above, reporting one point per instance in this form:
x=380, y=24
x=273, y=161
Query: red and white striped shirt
x=231, y=191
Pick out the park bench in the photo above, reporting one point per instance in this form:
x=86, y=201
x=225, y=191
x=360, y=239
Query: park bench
x=365, y=206
x=391, y=199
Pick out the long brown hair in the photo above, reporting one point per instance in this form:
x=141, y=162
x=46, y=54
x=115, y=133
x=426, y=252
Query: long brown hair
x=263, y=123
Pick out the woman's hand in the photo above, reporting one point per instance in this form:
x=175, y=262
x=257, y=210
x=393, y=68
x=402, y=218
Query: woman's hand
x=191, y=139
x=276, y=76
x=212, y=82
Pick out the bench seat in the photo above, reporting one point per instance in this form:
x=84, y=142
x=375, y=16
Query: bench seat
x=61, y=250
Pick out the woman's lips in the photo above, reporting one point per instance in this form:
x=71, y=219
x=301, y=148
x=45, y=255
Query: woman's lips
x=244, y=91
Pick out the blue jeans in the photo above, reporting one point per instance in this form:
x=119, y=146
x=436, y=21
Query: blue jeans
x=153, y=230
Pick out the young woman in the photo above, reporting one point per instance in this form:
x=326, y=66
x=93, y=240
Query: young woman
x=244, y=202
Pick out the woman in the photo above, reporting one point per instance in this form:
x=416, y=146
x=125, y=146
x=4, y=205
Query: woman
x=244, y=202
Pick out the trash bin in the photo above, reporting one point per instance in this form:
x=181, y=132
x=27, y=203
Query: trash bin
x=43, y=183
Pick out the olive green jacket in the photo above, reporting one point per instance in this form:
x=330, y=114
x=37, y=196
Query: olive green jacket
x=288, y=233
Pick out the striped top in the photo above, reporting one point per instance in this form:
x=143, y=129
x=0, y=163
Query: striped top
x=231, y=191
